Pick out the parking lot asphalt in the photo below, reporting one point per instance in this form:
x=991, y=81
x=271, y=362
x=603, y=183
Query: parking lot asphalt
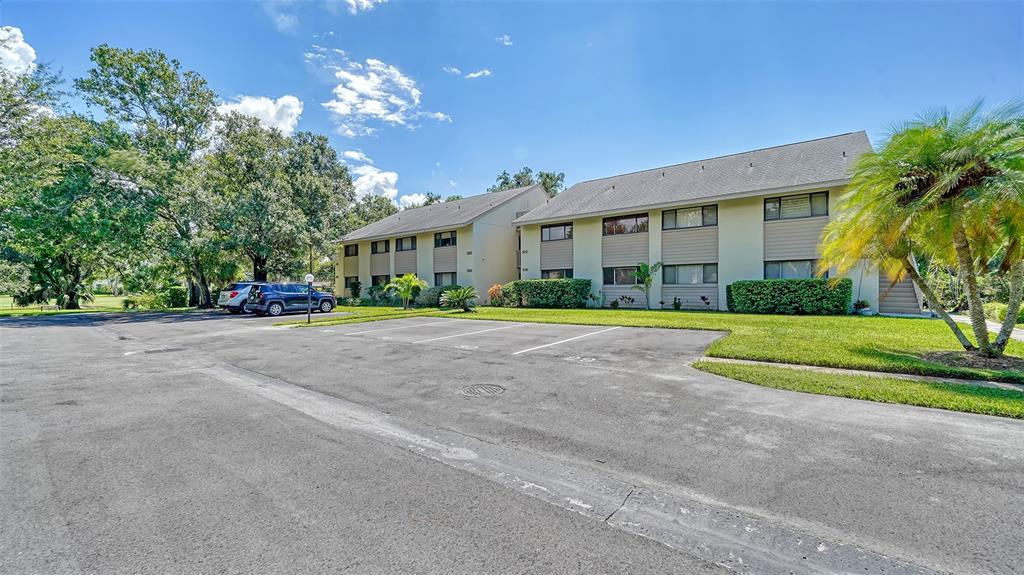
x=215, y=442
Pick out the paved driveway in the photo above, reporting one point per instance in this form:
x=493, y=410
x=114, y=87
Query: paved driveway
x=236, y=446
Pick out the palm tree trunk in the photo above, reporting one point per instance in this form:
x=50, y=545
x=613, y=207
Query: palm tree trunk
x=966, y=265
x=1013, y=306
x=934, y=304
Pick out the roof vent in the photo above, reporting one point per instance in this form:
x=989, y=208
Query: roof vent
x=613, y=186
x=751, y=164
x=844, y=153
x=663, y=174
x=702, y=167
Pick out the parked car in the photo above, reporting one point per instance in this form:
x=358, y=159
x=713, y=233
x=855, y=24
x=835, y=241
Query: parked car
x=277, y=298
x=235, y=297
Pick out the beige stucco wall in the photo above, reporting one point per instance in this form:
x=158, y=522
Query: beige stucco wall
x=740, y=242
x=586, y=253
x=530, y=251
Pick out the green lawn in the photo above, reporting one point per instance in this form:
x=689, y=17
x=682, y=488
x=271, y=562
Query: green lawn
x=360, y=314
x=885, y=344
x=951, y=396
x=101, y=303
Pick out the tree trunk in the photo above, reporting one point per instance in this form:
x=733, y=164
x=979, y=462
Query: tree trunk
x=966, y=265
x=259, y=269
x=934, y=305
x=1013, y=306
x=203, y=299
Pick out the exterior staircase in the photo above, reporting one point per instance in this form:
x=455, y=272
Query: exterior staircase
x=900, y=298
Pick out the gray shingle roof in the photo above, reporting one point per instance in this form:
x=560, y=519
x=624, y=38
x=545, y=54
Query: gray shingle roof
x=442, y=216
x=824, y=161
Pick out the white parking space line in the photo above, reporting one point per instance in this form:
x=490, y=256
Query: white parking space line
x=565, y=340
x=470, y=333
x=449, y=322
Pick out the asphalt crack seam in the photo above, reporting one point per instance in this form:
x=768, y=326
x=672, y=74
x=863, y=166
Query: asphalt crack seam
x=621, y=505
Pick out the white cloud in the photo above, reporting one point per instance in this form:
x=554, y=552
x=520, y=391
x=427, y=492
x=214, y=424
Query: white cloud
x=356, y=6
x=282, y=113
x=452, y=70
x=452, y=183
x=478, y=74
x=371, y=180
x=355, y=156
x=504, y=40
x=411, y=200
x=283, y=20
x=372, y=92
x=16, y=55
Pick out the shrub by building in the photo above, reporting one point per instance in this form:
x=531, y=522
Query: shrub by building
x=556, y=293
x=816, y=296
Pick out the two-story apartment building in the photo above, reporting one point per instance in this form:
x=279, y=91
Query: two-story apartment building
x=469, y=242
x=752, y=215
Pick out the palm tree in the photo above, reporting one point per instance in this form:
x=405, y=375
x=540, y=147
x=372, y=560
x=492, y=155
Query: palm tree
x=406, y=287
x=462, y=297
x=644, y=275
x=947, y=187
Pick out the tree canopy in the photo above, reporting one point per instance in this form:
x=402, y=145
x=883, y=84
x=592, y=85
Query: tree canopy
x=553, y=182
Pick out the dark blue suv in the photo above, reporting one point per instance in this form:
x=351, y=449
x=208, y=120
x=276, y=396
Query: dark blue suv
x=277, y=298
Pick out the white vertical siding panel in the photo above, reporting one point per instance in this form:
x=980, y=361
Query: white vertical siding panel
x=380, y=264
x=556, y=255
x=405, y=262
x=793, y=239
x=690, y=246
x=624, y=249
x=446, y=259
x=689, y=295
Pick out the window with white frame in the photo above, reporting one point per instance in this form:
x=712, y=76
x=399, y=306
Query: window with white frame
x=689, y=217
x=405, y=244
x=444, y=279
x=444, y=239
x=634, y=224
x=380, y=280
x=690, y=274
x=351, y=250
x=380, y=247
x=798, y=206
x=556, y=232
x=349, y=280
x=790, y=269
x=620, y=276
x=556, y=274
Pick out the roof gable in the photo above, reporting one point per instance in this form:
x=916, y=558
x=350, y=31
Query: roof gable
x=444, y=215
x=822, y=161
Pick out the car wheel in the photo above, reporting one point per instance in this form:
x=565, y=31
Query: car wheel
x=326, y=306
x=275, y=309
x=244, y=308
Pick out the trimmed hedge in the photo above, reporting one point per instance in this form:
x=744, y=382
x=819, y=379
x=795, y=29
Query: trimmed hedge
x=431, y=297
x=816, y=296
x=177, y=296
x=558, y=293
x=996, y=311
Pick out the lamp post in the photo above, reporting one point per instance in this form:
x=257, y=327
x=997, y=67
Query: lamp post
x=309, y=297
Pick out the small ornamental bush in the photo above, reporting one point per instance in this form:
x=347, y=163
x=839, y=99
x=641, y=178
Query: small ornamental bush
x=431, y=297
x=495, y=295
x=558, y=293
x=177, y=296
x=816, y=296
x=996, y=311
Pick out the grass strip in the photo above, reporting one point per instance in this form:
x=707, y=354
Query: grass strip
x=885, y=344
x=948, y=396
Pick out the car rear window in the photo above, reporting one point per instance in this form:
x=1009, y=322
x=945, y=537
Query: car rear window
x=236, y=286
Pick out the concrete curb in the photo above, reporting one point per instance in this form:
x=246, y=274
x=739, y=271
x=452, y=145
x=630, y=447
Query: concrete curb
x=841, y=371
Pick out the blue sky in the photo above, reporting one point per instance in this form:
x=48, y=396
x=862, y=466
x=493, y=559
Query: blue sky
x=591, y=89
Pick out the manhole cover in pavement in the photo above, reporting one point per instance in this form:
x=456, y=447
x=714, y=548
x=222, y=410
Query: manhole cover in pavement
x=482, y=390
